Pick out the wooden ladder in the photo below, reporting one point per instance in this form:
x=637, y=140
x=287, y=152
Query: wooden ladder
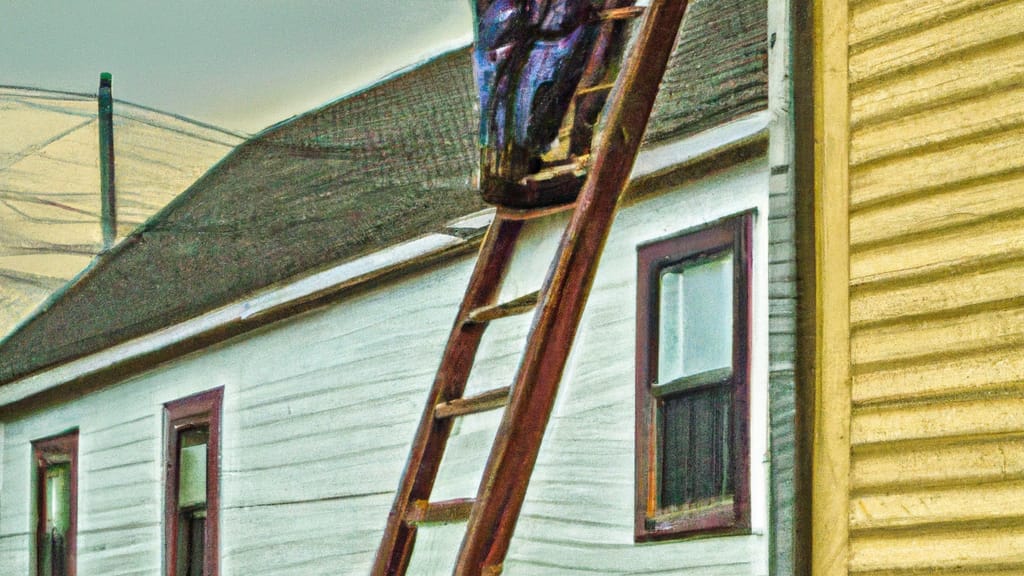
x=492, y=515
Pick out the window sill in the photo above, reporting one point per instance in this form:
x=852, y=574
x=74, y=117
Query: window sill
x=693, y=383
x=720, y=518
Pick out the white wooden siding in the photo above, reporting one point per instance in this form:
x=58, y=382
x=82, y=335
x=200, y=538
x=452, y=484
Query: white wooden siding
x=319, y=411
x=782, y=303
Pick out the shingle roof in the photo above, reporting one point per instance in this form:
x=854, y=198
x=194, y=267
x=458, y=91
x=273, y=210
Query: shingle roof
x=370, y=170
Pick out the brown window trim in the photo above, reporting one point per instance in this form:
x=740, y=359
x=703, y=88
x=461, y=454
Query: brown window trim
x=723, y=517
x=203, y=409
x=57, y=449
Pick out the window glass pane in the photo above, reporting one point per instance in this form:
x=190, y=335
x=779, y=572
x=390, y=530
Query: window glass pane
x=695, y=325
x=192, y=468
x=53, y=560
x=694, y=448
x=191, y=501
x=191, y=543
x=58, y=497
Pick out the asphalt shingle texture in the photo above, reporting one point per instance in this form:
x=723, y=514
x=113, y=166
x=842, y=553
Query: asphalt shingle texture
x=371, y=170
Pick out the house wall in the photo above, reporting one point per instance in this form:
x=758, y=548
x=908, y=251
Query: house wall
x=319, y=411
x=935, y=259
x=782, y=291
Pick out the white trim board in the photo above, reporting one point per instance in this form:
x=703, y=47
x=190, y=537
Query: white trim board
x=261, y=303
x=649, y=161
x=660, y=158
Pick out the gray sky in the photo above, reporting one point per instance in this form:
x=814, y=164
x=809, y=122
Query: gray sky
x=239, y=64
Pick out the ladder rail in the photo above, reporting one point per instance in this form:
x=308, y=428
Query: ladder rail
x=493, y=514
x=450, y=382
x=503, y=486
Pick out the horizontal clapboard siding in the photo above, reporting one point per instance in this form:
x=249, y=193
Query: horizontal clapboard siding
x=993, y=503
x=949, y=124
x=965, y=373
x=782, y=295
x=990, y=282
x=940, y=210
x=955, y=463
x=119, y=479
x=872, y=22
x=936, y=299
x=944, y=253
x=319, y=411
x=978, y=550
x=569, y=527
x=912, y=424
x=944, y=335
x=933, y=169
x=945, y=79
x=911, y=44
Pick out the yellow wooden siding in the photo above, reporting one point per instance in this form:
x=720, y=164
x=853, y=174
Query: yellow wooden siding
x=945, y=253
x=913, y=45
x=964, y=374
x=944, y=209
x=923, y=171
x=929, y=507
x=942, y=420
x=948, y=551
x=872, y=20
x=957, y=464
x=994, y=111
x=946, y=292
x=946, y=79
x=945, y=335
x=936, y=160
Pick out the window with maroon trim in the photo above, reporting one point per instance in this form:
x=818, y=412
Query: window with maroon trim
x=56, y=504
x=192, y=494
x=693, y=343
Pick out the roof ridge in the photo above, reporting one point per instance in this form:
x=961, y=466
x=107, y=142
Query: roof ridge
x=374, y=85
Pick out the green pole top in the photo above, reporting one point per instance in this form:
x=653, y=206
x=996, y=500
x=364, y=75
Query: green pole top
x=105, y=79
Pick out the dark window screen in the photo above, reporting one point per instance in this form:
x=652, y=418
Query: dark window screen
x=695, y=448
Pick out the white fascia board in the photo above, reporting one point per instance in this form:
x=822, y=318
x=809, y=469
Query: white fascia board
x=649, y=161
x=665, y=156
x=241, y=310
x=474, y=221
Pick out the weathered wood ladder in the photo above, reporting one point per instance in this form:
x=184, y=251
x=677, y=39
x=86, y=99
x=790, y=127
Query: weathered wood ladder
x=492, y=515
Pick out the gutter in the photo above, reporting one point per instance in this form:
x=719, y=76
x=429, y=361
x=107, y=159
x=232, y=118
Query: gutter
x=274, y=303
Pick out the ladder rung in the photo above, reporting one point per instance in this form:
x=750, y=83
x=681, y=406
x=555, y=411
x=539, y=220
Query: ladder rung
x=493, y=514
x=513, y=307
x=575, y=167
x=480, y=403
x=445, y=511
x=624, y=13
x=595, y=88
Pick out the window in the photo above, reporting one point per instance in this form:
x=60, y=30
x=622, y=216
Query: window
x=57, y=502
x=693, y=342
x=193, y=442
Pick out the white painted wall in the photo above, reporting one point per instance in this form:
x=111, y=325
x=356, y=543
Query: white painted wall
x=319, y=411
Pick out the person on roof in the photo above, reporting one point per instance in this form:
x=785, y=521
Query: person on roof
x=529, y=59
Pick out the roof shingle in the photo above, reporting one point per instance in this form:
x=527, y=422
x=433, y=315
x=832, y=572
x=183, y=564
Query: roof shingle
x=371, y=170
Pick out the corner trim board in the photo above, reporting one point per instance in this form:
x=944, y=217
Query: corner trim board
x=830, y=445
